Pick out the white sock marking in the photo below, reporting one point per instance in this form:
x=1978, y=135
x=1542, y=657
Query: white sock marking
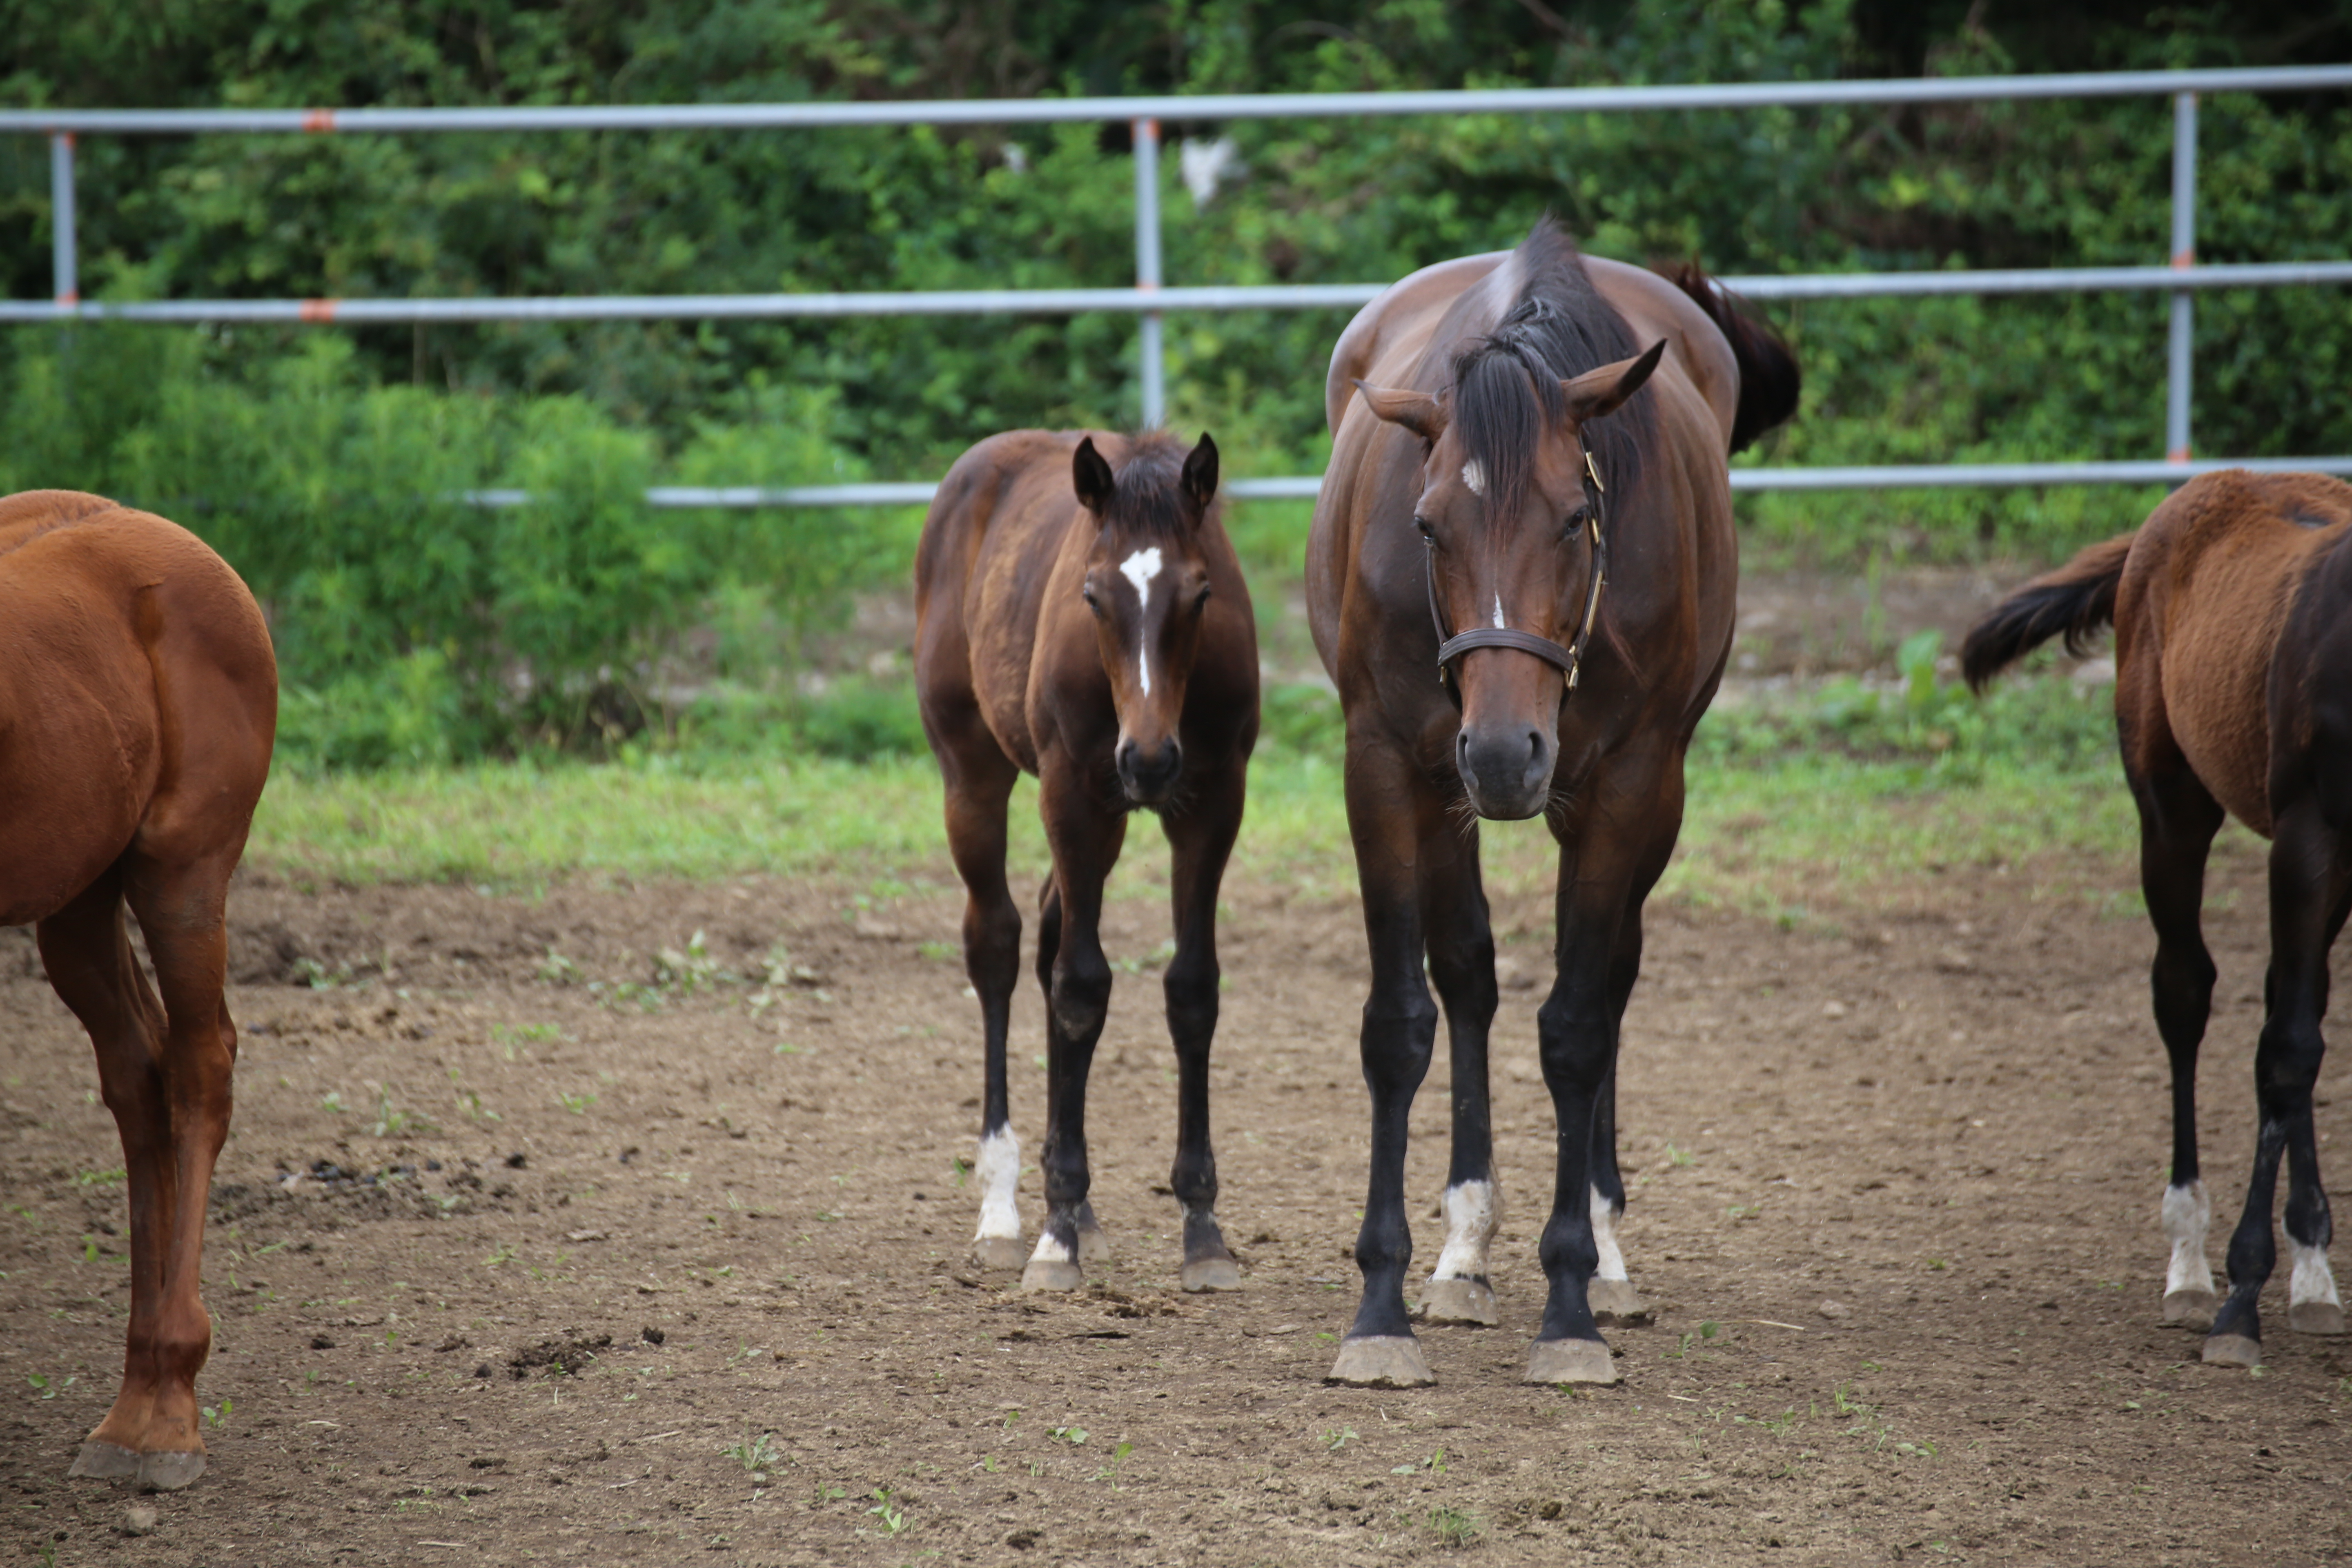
x=2313, y=1281
x=1051, y=1251
x=2186, y=1213
x=1605, y=1237
x=1140, y=569
x=1000, y=1185
x=1473, y=1211
x=1474, y=477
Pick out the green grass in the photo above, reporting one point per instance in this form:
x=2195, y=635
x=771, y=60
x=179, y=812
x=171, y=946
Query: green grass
x=1825, y=796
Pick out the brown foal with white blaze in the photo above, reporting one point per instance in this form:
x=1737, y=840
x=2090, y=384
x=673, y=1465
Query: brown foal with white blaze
x=1080, y=616
x=2232, y=610
x=138, y=707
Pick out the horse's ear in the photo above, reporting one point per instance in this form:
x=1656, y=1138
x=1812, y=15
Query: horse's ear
x=1604, y=391
x=1200, y=473
x=1092, y=478
x=1418, y=412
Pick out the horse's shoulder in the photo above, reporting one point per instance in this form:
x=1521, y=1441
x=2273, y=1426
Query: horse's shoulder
x=1655, y=308
x=1395, y=326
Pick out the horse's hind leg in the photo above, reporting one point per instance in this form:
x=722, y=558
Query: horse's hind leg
x=2309, y=879
x=182, y=909
x=1201, y=840
x=1612, y=1295
x=2313, y=1305
x=979, y=782
x=1460, y=941
x=88, y=955
x=2177, y=819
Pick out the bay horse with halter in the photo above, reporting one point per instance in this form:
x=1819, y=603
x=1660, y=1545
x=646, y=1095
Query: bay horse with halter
x=138, y=706
x=2233, y=611
x=1521, y=577
x=1080, y=616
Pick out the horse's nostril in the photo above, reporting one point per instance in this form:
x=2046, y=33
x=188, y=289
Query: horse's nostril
x=1534, y=746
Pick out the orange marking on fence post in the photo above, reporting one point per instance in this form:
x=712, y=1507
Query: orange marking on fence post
x=318, y=119
x=319, y=310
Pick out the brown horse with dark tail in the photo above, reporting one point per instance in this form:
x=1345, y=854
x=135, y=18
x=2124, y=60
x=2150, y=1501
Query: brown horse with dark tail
x=138, y=707
x=1080, y=616
x=2232, y=610
x=1521, y=578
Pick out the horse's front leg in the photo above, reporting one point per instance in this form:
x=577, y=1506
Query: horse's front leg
x=1389, y=805
x=1611, y=852
x=2310, y=879
x=1084, y=839
x=1202, y=839
x=1460, y=948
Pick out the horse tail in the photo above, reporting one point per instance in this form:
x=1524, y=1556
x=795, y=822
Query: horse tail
x=1769, y=381
x=2077, y=599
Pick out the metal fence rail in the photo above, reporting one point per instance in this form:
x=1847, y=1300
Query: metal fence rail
x=1151, y=301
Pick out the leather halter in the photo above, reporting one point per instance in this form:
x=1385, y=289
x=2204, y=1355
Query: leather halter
x=1569, y=660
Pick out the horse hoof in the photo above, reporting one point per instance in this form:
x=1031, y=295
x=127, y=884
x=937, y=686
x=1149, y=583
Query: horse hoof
x=1569, y=1360
x=1616, y=1302
x=1380, y=1360
x=2316, y=1318
x=1457, y=1300
x=999, y=1252
x=169, y=1470
x=103, y=1462
x=2192, y=1308
x=1200, y=1274
x=1051, y=1274
x=2233, y=1350
x=1093, y=1247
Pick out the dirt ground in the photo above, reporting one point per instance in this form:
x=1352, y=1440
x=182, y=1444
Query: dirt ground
x=523, y=1228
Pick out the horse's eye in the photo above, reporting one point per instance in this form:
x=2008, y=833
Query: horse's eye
x=1423, y=523
x=1202, y=598
x=1575, y=519
x=1087, y=594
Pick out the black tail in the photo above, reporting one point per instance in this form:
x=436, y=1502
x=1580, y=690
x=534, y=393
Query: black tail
x=2077, y=599
x=1769, y=381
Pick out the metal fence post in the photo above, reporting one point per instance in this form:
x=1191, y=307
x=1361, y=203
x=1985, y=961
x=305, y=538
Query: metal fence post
x=65, y=268
x=1147, y=264
x=2182, y=367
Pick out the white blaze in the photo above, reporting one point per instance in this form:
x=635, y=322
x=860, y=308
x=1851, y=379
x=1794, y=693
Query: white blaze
x=2313, y=1281
x=1473, y=1212
x=1140, y=569
x=1605, y=1238
x=2186, y=1212
x=1498, y=611
x=1474, y=477
x=1000, y=1184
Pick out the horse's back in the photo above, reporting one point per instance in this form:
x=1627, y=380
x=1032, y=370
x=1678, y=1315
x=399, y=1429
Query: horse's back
x=138, y=695
x=2206, y=591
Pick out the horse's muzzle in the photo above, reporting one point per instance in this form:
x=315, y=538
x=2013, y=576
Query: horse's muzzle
x=1505, y=768
x=1148, y=774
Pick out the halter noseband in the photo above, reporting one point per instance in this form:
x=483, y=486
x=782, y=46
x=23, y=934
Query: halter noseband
x=1569, y=660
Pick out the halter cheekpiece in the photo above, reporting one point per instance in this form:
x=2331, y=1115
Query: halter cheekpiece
x=1569, y=660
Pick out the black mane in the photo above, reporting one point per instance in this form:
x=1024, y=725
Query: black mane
x=1507, y=390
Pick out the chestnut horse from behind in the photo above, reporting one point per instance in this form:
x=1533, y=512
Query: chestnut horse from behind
x=138, y=706
x=1521, y=577
x=1080, y=616
x=2232, y=610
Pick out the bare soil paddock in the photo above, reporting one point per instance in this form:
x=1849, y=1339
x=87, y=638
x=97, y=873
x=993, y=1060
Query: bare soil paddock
x=577, y=1221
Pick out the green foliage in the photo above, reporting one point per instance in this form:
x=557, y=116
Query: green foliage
x=411, y=625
